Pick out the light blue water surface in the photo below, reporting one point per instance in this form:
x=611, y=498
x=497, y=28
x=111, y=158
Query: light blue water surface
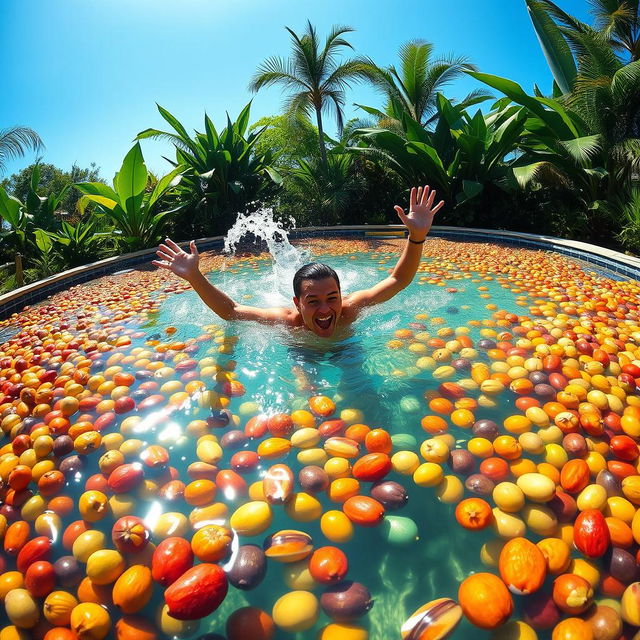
x=359, y=371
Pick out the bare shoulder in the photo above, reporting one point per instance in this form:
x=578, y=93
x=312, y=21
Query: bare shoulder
x=351, y=306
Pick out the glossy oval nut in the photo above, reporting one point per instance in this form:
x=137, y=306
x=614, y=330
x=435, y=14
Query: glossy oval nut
x=273, y=448
x=126, y=477
x=485, y=600
x=364, y=511
x=171, y=559
x=630, y=604
x=251, y=519
x=522, y=566
x=248, y=568
x=328, y=565
x=631, y=489
x=35, y=550
x=155, y=457
x=575, y=475
x=21, y=609
x=322, y=406
x=105, y=566
x=537, y=487
x=211, y=542
x=200, y=493
x=434, y=620
x=330, y=428
x=392, y=495
x=90, y=621
x=346, y=601
x=342, y=447
x=296, y=611
x=372, y=467
x=130, y=535
x=133, y=589
x=288, y=545
x=305, y=438
x=572, y=593
x=197, y=593
x=591, y=534
x=278, y=484
x=16, y=536
x=58, y=607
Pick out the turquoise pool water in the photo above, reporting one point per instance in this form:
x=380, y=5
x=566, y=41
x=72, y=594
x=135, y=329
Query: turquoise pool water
x=375, y=369
x=361, y=372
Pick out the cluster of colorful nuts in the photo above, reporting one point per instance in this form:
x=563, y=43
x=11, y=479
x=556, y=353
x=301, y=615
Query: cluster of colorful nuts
x=558, y=480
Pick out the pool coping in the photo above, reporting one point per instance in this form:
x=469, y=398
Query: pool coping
x=614, y=261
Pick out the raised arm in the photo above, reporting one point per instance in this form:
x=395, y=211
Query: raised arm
x=418, y=222
x=185, y=265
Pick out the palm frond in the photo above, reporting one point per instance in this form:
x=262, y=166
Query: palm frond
x=335, y=103
x=14, y=142
x=173, y=138
x=344, y=74
x=582, y=150
x=414, y=62
x=276, y=70
x=335, y=42
x=299, y=105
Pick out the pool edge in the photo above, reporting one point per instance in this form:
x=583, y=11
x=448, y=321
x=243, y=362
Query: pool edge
x=618, y=263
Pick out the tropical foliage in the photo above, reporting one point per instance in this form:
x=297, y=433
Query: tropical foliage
x=463, y=157
x=133, y=210
x=221, y=172
x=563, y=159
x=53, y=180
x=14, y=142
x=314, y=77
x=413, y=89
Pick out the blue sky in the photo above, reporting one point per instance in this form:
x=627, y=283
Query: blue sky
x=87, y=74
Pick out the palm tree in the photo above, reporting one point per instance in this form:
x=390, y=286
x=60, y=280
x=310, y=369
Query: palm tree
x=14, y=141
x=413, y=90
x=316, y=79
x=602, y=83
x=618, y=21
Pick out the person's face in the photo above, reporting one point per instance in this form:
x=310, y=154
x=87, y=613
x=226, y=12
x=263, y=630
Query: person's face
x=320, y=305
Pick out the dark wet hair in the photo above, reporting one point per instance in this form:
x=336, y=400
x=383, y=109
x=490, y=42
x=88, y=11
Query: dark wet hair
x=313, y=271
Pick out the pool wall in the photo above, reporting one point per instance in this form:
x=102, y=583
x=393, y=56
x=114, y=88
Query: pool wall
x=613, y=261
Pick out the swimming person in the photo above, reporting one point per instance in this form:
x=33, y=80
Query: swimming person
x=318, y=302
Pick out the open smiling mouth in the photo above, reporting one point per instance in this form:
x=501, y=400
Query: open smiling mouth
x=324, y=322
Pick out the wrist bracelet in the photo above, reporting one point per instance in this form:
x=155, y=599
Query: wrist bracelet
x=416, y=241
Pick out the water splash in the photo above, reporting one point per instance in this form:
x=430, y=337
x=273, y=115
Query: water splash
x=287, y=259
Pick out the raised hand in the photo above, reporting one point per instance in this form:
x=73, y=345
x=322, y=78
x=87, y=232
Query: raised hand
x=421, y=212
x=174, y=259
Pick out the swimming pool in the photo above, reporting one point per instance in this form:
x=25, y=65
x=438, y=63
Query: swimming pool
x=456, y=360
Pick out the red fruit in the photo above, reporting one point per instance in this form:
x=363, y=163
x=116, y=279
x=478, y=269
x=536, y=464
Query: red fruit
x=35, y=550
x=126, y=477
x=244, y=461
x=256, y=427
x=231, y=484
x=624, y=448
x=591, y=534
x=332, y=428
x=40, y=579
x=632, y=369
x=372, y=467
x=124, y=405
x=97, y=482
x=198, y=593
x=103, y=421
x=328, y=565
x=280, y=425
x=130, y=535
x=171, y=559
